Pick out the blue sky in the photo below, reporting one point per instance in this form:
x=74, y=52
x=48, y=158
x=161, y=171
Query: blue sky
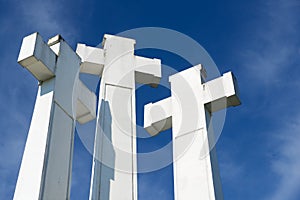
x=258, y=40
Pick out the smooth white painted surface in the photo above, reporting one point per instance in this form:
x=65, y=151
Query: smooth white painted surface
x=196, y=174
x=122, y=140
x=46, y=166
x=220, y=93
x=158, y=117
x=58, y=166
x=37, y=57
x=115, y=166
x=31, y=170
x=86, y=103
x=92, y=59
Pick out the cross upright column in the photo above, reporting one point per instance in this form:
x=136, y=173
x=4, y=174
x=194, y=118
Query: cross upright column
x=188, y=112
x=114, y=173
x=46, y=167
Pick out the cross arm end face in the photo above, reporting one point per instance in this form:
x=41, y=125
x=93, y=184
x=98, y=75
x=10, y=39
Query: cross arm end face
x=234, y=94
x=92, y=59
x=158, y=116
x=37, y=57
x=86, y=104
x=147, y=70
x=54, y=40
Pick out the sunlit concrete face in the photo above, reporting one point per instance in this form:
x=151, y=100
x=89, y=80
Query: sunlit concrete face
x=62, y=99
x=188, y=112
x=114, y=172
x=45, y=171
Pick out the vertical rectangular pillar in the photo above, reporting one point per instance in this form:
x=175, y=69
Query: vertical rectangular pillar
x=58, y=171
x=31, y=170
x=114, y=162
x=193, y=176
x=196, y=171
x=46, y=166
x=114, y=165
x=116, y=149
x=193, y=168
x=122, y=140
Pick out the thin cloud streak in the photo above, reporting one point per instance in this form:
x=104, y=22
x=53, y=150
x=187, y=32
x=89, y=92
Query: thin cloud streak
x=48, y=18
x=274, y=43
x=287, y=164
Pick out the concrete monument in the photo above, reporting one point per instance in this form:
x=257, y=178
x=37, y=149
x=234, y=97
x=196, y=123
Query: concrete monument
x=62, y=99
x=114, y=172
x=46, y=167
x=188, y=112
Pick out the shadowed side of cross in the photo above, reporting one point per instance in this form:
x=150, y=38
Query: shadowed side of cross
x=119, y=70
x=62, y=99
x=188, y=112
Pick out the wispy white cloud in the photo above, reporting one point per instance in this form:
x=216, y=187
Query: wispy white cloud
x=231, y=170
x=14, y=125
x=273, y=44
x=286, y=163
x=274, y=161
x=48, y=18
x=13, y=135
x=41, y=14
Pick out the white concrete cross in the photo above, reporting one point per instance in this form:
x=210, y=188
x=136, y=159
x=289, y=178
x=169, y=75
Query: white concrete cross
x=188, y=111
x=46, y=167
x=114, y=166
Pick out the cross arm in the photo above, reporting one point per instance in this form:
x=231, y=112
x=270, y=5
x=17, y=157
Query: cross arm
x=92, y=59
x=147, y=70
x=221, y=93
x=158, y=116
x=86, y=104
x=37, y=57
